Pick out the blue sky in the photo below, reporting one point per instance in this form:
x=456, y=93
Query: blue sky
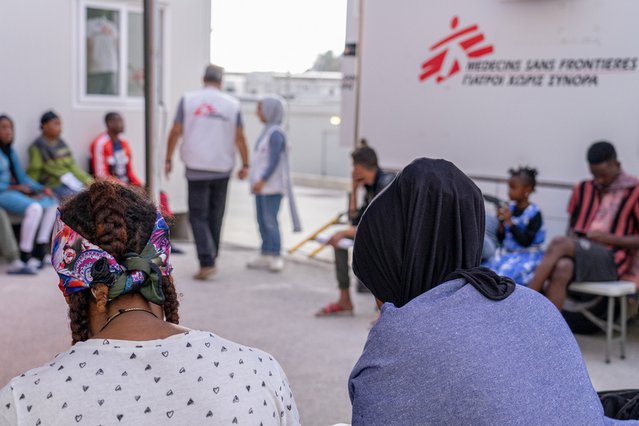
x=275, y=35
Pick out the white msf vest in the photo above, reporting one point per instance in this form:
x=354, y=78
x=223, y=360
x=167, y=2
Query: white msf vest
x=278, y=182
x=210, y=122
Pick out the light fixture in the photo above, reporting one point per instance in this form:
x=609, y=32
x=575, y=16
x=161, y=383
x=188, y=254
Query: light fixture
x=335, y=120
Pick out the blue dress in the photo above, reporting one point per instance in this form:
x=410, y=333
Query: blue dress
x=520, y=252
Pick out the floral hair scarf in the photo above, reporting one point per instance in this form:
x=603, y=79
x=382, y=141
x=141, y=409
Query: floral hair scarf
x=80, y=264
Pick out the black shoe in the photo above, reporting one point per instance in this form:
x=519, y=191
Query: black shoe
x=176, y=250
x=361, y=288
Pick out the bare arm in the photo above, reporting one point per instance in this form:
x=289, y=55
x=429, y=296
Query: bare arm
x=623, y=242
x=569, y=231
x=352, y=199
x=174, y=137
x=350, y=232
x=340, y=235
x=356, y=182
x=240, y=143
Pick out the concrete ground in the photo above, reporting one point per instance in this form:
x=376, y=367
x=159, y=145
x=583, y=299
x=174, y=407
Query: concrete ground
x=271, y=311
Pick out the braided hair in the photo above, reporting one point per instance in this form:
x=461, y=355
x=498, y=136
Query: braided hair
x=120, y=220
x=527, y=174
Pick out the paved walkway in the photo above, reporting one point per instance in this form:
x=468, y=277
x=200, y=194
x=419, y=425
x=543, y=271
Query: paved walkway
x=270, y=311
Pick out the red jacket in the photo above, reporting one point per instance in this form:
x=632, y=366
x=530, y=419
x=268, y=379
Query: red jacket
x=103, y=161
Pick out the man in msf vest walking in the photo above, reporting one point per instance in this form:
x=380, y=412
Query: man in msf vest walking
x=209, y=122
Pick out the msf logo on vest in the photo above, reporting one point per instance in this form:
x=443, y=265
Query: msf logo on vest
x=445, y=62
x=207, y=110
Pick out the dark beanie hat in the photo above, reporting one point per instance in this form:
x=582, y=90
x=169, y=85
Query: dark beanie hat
x=48, y=116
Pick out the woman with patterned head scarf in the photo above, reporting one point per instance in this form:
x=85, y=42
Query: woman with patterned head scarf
x=131, y=363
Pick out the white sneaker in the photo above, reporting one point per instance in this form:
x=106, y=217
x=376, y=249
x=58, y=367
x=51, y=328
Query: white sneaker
x=46, y=261
x=276, y=263
x=259, y=262
x=18, y=267
x=35, y=264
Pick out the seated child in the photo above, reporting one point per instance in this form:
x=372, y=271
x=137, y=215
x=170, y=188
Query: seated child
x=51, y=161
x=111, y=153
x=520, y=231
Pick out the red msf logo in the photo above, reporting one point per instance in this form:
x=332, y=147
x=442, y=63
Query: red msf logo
x=204, y=109
x=467, y=38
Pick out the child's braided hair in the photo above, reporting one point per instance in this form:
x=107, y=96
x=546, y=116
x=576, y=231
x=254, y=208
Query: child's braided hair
x=527, y=174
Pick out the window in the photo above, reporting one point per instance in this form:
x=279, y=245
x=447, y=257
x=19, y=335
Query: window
x=102, y=51
x=112, y=52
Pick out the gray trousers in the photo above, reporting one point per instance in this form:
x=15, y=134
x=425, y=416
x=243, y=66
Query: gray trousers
x=8, y=245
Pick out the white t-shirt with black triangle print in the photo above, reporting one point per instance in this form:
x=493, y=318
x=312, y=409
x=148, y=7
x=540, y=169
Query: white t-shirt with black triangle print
x=194, y=378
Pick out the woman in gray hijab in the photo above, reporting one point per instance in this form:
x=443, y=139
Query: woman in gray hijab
x=270, y=180
x=456, y=344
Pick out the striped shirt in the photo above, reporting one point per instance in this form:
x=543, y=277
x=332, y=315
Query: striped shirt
x=584, y=210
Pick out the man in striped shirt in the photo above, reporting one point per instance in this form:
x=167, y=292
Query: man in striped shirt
x=602, y=233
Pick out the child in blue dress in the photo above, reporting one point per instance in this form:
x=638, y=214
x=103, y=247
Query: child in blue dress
x=521, y=232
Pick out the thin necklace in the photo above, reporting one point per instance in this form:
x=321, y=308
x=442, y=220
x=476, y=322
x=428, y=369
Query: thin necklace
x=124, y=311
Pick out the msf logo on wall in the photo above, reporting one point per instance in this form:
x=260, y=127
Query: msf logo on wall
x=445, y=62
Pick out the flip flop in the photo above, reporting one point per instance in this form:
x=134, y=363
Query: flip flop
x=333, y=310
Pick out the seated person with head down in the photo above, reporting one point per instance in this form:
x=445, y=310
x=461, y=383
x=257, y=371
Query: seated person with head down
x=366, y=174
x=131, y=363
x=603, y=229
x=111, y=153
x=21, y=195
x=51, y=161
x=456, y=344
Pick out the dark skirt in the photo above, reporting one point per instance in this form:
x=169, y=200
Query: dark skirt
x=594, y=262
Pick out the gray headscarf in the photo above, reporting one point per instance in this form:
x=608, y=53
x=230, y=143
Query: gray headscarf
x=273, y=110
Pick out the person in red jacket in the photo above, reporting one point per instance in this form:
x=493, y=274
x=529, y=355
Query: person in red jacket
x=111, y=153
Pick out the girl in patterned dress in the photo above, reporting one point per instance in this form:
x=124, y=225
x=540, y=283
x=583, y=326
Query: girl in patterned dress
x=521, y=232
